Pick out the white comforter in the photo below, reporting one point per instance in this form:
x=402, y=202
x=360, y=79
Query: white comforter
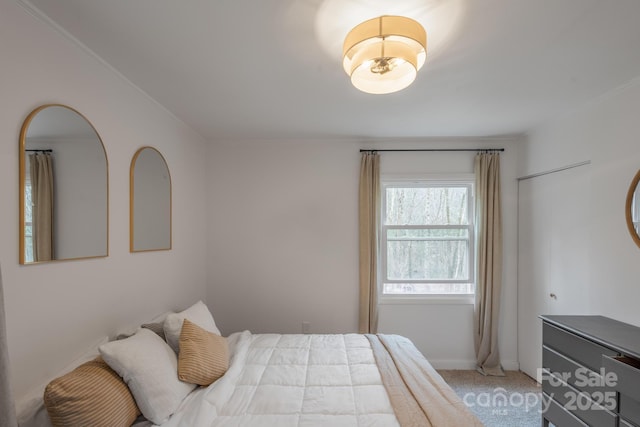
x=292, y=380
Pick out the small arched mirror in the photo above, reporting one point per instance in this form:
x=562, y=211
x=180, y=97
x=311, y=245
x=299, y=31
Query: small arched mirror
x=632, y=209
x=150, y=191
x=64, y=187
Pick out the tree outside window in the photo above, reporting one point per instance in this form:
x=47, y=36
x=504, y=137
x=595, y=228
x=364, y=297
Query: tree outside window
x=427, y=238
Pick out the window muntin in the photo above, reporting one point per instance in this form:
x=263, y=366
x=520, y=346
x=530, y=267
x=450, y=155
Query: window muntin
x=427, y=238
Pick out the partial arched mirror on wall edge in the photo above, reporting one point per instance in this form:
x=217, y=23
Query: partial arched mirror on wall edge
x=632, y=209
x=64, y=187
x=150, y=202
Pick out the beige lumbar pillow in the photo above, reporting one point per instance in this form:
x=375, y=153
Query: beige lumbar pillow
x=90, y=395
x=203, y=356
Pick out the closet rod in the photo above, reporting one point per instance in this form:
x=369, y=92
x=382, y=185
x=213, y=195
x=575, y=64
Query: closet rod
x=437, y=149
x=564, y=168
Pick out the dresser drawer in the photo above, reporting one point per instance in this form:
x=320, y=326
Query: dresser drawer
x=623, y=423
x=586, y=352
x=629, y=409
x=574, y=374
x=580, y=403
x=628, y=373
x=559, y=416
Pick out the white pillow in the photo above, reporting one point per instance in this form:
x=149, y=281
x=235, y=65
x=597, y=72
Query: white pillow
x=198, y=313
x=150, y=369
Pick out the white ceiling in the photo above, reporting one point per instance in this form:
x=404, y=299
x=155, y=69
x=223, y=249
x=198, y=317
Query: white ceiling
x=244, y=69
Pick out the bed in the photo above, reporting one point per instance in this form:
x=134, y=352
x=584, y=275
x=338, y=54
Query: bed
x=288, y=380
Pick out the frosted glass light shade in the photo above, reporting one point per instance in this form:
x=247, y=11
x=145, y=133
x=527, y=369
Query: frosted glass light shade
x=384, y=54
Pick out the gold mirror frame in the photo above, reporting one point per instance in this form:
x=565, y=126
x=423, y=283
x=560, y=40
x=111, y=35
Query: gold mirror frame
x=627, y=210
x=132, y=242
x=22, y=183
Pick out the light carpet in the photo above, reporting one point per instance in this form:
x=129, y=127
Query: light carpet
x=510, y=401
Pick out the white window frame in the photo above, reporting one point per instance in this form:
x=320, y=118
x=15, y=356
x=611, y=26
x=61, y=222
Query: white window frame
x=424, y=180
x=27, y=189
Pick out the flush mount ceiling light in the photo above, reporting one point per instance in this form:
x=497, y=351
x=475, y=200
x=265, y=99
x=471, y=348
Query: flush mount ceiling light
x=384, y=54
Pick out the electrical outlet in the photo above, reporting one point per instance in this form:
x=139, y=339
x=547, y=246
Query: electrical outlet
x=306, y=327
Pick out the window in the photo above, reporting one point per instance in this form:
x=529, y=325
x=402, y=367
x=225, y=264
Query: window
x=427, y=237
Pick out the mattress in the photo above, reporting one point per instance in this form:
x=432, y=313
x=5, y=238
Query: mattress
x=316, y=380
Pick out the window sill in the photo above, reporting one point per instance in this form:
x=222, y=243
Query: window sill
x=427, y=299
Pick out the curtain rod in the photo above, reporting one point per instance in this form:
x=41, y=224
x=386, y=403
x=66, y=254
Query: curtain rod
x=42, y=151
x=439, y=149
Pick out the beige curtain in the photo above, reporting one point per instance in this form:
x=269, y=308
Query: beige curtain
x=41, y=171
x=7, y=410
x=489, y=261
x=369, y=218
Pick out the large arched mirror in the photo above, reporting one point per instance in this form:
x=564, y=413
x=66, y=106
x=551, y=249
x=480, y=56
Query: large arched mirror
x=150, y=192
x=64, y=187
x=632, y=209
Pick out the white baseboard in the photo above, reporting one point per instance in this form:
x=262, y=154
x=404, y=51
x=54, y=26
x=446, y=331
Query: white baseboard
x=510, y=365
x=507, y=365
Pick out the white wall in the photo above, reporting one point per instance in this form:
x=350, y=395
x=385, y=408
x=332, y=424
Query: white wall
x=54, y=311
x=283, y=236
x=606, y=133
x=283, y=242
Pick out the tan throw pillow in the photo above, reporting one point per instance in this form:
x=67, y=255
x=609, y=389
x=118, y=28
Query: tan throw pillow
x=90, y=395
x=198, y=313
x=203, y=356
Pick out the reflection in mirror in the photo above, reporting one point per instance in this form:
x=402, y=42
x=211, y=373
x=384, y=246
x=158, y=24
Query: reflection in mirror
x=150, y=216
x=63, y=187
x=632, y=209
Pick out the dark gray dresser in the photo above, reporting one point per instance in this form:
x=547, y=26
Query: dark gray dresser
x=591, y=372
